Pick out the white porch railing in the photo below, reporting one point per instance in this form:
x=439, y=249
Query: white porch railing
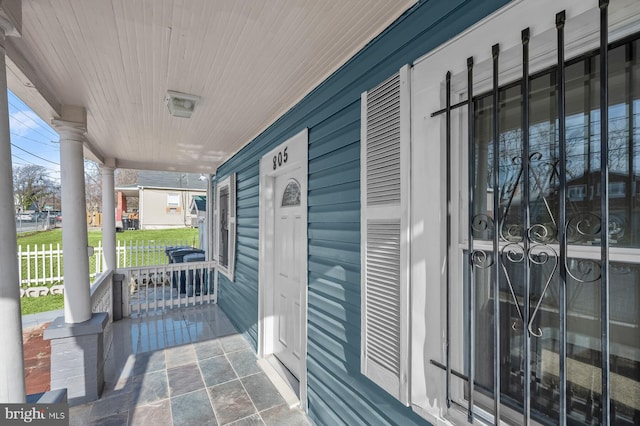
x=152, y=288
x=150, y=284
x=102, y=301
x=41, y=265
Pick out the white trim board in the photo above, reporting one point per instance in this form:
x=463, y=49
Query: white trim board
x=297, y=159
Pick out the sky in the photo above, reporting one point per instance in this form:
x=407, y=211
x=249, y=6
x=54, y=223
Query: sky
x=33, y=141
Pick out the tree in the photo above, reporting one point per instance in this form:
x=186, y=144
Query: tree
x=127, y=177
x=32, y=186
x=53, y=200
x=93, y=183
x=92, y=186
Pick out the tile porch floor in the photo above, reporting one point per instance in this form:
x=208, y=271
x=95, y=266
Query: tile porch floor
x=184, y=366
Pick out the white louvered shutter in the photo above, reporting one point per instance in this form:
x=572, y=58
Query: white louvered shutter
x=384, y=193
x=232, y=225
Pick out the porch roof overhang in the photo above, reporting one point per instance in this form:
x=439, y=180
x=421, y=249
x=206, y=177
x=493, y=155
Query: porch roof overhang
x=248, y=61
x=128, y=191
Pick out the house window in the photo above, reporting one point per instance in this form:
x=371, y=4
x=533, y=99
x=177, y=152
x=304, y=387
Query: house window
x=173, y=200
x=507, y=257
x=518, y=247
x=173, y=203
x=577, y=192
x=226, y=225
x=617, y=190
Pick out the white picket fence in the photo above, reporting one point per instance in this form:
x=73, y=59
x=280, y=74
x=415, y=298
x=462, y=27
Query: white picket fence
x=42, y=265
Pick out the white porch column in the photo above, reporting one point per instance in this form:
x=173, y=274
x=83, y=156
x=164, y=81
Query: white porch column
x=209, y=218
x=77, y=297
x=77, y=339
x=12, y=387
x=108, y=219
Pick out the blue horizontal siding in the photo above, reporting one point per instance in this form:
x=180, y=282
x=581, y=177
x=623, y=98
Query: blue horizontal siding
x=340, y=139
x=237, y=297
x=344, y=119
x=338, y=194
x=346, y=154
x=250, y=243
x=337, y=391
x=332, y=231
x=349, y=172
x=349, y=212
x=335, y=251
x=247, y=181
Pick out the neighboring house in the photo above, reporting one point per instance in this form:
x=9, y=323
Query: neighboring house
x=343, y=230
x=164, y=199
x=198, y=212
x=198, y=209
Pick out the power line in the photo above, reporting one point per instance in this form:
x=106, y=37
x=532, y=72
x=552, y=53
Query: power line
x=35, y=128
x=31, y=139
x=20, y=158
x=30, y=127
x=39, y=122
x=54, y=175
x=35, y=164
x=24, y=107
x=50, y=172
x=37, y=156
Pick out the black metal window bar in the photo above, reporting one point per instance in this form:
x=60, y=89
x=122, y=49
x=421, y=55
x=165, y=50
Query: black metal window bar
x=531, y=225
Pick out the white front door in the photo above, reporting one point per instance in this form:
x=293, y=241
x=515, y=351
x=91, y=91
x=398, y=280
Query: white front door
x=289, y=268
x=282, y=285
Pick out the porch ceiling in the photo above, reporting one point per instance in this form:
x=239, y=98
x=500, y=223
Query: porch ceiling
x=250, y=61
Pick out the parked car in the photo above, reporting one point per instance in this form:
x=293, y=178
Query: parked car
x=26, y=217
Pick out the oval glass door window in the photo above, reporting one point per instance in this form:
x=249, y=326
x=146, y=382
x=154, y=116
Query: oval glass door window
x=291, y=195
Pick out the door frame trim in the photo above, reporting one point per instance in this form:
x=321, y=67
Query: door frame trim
x=297, y=153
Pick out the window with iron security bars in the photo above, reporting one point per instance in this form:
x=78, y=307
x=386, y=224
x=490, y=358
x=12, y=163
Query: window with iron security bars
x=552, y=281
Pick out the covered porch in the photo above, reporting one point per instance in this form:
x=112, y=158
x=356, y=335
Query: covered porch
x=182, y=366
x=154, y=86
x=186, y=366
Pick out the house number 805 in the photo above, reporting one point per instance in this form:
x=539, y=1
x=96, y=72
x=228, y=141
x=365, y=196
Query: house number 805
x=280, y=158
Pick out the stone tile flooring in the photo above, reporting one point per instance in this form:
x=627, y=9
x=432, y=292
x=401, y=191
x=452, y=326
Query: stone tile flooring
x=184, y=366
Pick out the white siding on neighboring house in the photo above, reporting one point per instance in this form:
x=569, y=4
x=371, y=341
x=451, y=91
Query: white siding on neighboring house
x=165, y=208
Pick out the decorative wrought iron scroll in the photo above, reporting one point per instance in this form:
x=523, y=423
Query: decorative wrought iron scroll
x=521, y=242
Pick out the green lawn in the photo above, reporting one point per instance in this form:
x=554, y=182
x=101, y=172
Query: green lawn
x=54, y=236
x=41, y=237
x=32, y=305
